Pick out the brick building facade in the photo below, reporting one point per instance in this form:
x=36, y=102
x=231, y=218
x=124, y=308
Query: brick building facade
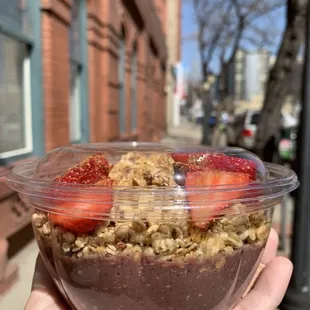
x=125, y=66
x=76, y=71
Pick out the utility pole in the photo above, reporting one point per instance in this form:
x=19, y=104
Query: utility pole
x=298, y=294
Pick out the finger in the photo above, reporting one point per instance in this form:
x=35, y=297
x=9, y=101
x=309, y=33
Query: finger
x=44, y=294
x=3, y=256
x=271, y=248
x=41, y=278
x=270, y=287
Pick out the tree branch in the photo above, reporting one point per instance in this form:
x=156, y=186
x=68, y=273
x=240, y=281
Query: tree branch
x=240, y=29
x=268, y=10
x=217, y=35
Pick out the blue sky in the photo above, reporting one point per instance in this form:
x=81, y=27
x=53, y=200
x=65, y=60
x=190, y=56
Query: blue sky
x=190, y=55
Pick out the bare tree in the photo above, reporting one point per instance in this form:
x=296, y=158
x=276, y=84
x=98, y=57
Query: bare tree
x=222, y=27
x=276, y=89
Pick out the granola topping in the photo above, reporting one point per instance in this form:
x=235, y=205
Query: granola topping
x=166, y=241
x=135, y=169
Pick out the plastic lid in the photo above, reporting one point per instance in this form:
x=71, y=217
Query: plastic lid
x=149, y=177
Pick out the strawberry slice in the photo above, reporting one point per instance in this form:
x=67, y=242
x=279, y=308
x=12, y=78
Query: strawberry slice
x=181, y=170
x=197, y=158
x=81, y=213
x=215, y=161
x=89, y=171
x=180, y=157
x=188, y=158
x=204, y=207
x=224, y=162
x=93, y=170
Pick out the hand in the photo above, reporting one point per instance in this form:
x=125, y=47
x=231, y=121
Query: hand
x=8, y=271
x=266, y=294
x=3, y=258
x=272, y=283
x=44, y=294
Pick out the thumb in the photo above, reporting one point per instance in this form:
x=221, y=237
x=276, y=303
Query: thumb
x=43, y=293
x=270, y=287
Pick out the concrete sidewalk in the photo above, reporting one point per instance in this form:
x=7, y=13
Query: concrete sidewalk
x=15, y=298
x=186, y=131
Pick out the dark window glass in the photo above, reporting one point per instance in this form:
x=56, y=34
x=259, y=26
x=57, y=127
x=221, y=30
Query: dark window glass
x=255, y=119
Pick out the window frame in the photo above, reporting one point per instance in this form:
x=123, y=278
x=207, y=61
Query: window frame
x=133, y=89
x=122, y=82
x=26, y=123
x=77, y=91
x=82, y=64
x=33, y=102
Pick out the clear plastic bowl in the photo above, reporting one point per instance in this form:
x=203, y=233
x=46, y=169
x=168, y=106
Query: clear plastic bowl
x=154, y=228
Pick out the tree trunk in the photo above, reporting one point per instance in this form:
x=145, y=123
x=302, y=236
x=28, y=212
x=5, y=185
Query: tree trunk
x=275, y=89
x=223, y=84
x=207, y=107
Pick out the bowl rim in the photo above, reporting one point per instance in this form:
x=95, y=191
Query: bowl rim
x=256, y=195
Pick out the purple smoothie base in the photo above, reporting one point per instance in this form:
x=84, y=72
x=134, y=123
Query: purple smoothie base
x=98, y=282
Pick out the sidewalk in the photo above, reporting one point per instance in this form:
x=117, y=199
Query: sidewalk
x=286, y=209
x=185, y=132
x=15, y=298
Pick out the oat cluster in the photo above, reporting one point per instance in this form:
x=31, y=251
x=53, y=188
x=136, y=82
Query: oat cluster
x=136, y=169
x=177, y=241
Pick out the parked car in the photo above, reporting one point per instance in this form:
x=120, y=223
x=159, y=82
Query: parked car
x=212, y=119
x=241, y=131
x=286, y=146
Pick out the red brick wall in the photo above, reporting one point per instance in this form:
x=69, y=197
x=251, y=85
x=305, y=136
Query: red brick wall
x=161, y=12
x=162, y=98
x=55, y=22
x=105, y=20
x=98, y=100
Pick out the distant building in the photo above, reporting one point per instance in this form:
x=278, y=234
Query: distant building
x=272, y=61
x=173, y=42
x=247, y=76
x=239, y=76
x=257, y=69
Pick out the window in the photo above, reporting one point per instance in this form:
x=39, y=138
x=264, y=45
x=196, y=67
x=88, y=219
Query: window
x=21, y=102
x=121, y=76
x=255, y=119
x=134, y=89
x=15, y=101
x=76, y=68
x=238, y=76
x=15, y=15
x=239, y=66
x=75, y=103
